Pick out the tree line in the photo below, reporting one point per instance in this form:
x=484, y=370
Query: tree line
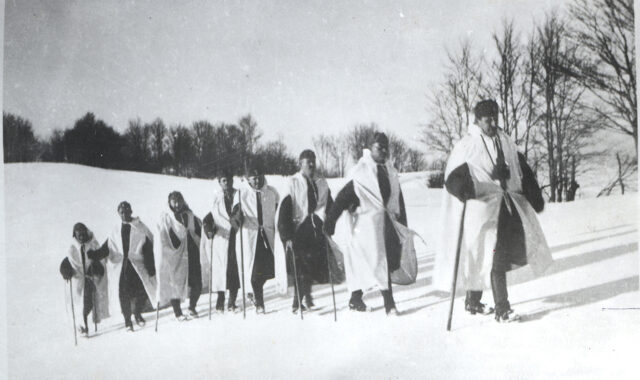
x=557, y=85
x=202, y=150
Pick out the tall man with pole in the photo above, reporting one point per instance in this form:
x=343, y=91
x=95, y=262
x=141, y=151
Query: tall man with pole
x=254, y=210
x=220, y=245
x=491, y=180
x=300, y=224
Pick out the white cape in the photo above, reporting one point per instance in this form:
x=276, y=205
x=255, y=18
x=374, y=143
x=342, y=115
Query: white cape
x=297, y=188
x=172, y=264
x=365, y=256
x=215, y=250
x=247, y=237
x=101, y=300
x=137, y=238
x=481, y=218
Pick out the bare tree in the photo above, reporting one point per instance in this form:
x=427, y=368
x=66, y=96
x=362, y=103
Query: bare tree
x=604, y=31
x=250, y=136
x=451, y=103
x=415, y=160
x=566, y=121
x=158, y=132
x=627, y=166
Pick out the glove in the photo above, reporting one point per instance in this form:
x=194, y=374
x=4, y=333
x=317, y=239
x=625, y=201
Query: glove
x=329, y=228
x=66, y=270
x=151, y=271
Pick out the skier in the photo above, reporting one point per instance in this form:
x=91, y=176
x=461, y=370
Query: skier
x=500, y=231
x=300, y=221
x=254, y=211
x=221, y=236
x=132, y=271
x=379, y=240
x=178, y=256
x=91, y=285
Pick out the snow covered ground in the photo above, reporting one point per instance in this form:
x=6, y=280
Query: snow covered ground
x=577, y=321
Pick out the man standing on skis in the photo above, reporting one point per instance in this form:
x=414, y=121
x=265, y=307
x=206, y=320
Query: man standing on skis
x=129, y=250
x=501, y=232
x=254, y=215
x=91, y=288
x=220, y=245
x=300, y=221
x=378, y=240
x=178, y=256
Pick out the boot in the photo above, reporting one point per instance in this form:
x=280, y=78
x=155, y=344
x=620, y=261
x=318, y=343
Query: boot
x=356, y=303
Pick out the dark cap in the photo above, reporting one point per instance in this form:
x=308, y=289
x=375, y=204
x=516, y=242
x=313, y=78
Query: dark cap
x=176, y=195
x=226, y=173
x=78, y=227
x=124, y=204
x=308, y=154
x=380, y=138
x=484, y=108
x=255, y=169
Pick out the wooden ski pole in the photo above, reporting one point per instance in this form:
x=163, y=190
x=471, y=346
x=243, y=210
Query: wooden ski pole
x=455, y=266
x=244, y=303
x=95, y=309
x=157, y=314
x=210, y=275
x=73, y=312
x=333, y=292
x=295, y=276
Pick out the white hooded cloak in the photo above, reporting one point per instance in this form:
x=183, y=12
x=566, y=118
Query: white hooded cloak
x=138, y=236
x=269, y=199
x=216, y=248
x=481, y=217
x=101, y=300
x=365, y=256
x=172, y=264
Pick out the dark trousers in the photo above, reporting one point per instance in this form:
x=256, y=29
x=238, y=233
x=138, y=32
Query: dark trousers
x=387, y=296
x=257, y=283
x=89, y=294
x=131, y=291
x=233, y=294
x=499, y=290
x=304, y=283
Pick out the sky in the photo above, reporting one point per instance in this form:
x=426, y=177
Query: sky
x=300, y=68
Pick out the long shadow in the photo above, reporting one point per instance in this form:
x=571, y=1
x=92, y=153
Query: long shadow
x=571, y=262
x=583, y=296
x=562, y=247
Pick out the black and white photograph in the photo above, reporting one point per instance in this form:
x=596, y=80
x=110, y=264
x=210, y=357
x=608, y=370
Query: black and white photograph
x=365, y=189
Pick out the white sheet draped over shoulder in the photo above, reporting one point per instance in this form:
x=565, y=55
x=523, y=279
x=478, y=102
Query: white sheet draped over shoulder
x=269, y=200
x=481, y=216
x=102, y=286
x=297, y=188
x=138, y=236
x=172, y=264
x=219, y=244
x=365, y=251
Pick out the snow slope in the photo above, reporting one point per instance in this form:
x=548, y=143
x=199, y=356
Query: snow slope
x=576, y=319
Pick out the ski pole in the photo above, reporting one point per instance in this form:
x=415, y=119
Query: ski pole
x=244, y=305
x=333, y=292
x=73, y=313
x=295, y=276
x=457, y=263
x=210, y=275
x=157, y=315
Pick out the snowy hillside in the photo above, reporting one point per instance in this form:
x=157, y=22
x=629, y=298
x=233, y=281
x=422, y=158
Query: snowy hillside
x=577, y=321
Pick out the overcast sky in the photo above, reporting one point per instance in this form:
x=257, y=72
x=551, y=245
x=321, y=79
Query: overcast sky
x=299, y=67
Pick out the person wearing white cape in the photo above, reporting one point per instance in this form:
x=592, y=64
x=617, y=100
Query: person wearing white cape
x=178, y=256
x=219, y=243
x=256, y=216
x=500, y=229
x=300, y=220
x=380, y=247
x=91, y=288
x=129, y=250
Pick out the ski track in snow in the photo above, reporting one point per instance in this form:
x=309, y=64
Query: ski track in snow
x=580, y=320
